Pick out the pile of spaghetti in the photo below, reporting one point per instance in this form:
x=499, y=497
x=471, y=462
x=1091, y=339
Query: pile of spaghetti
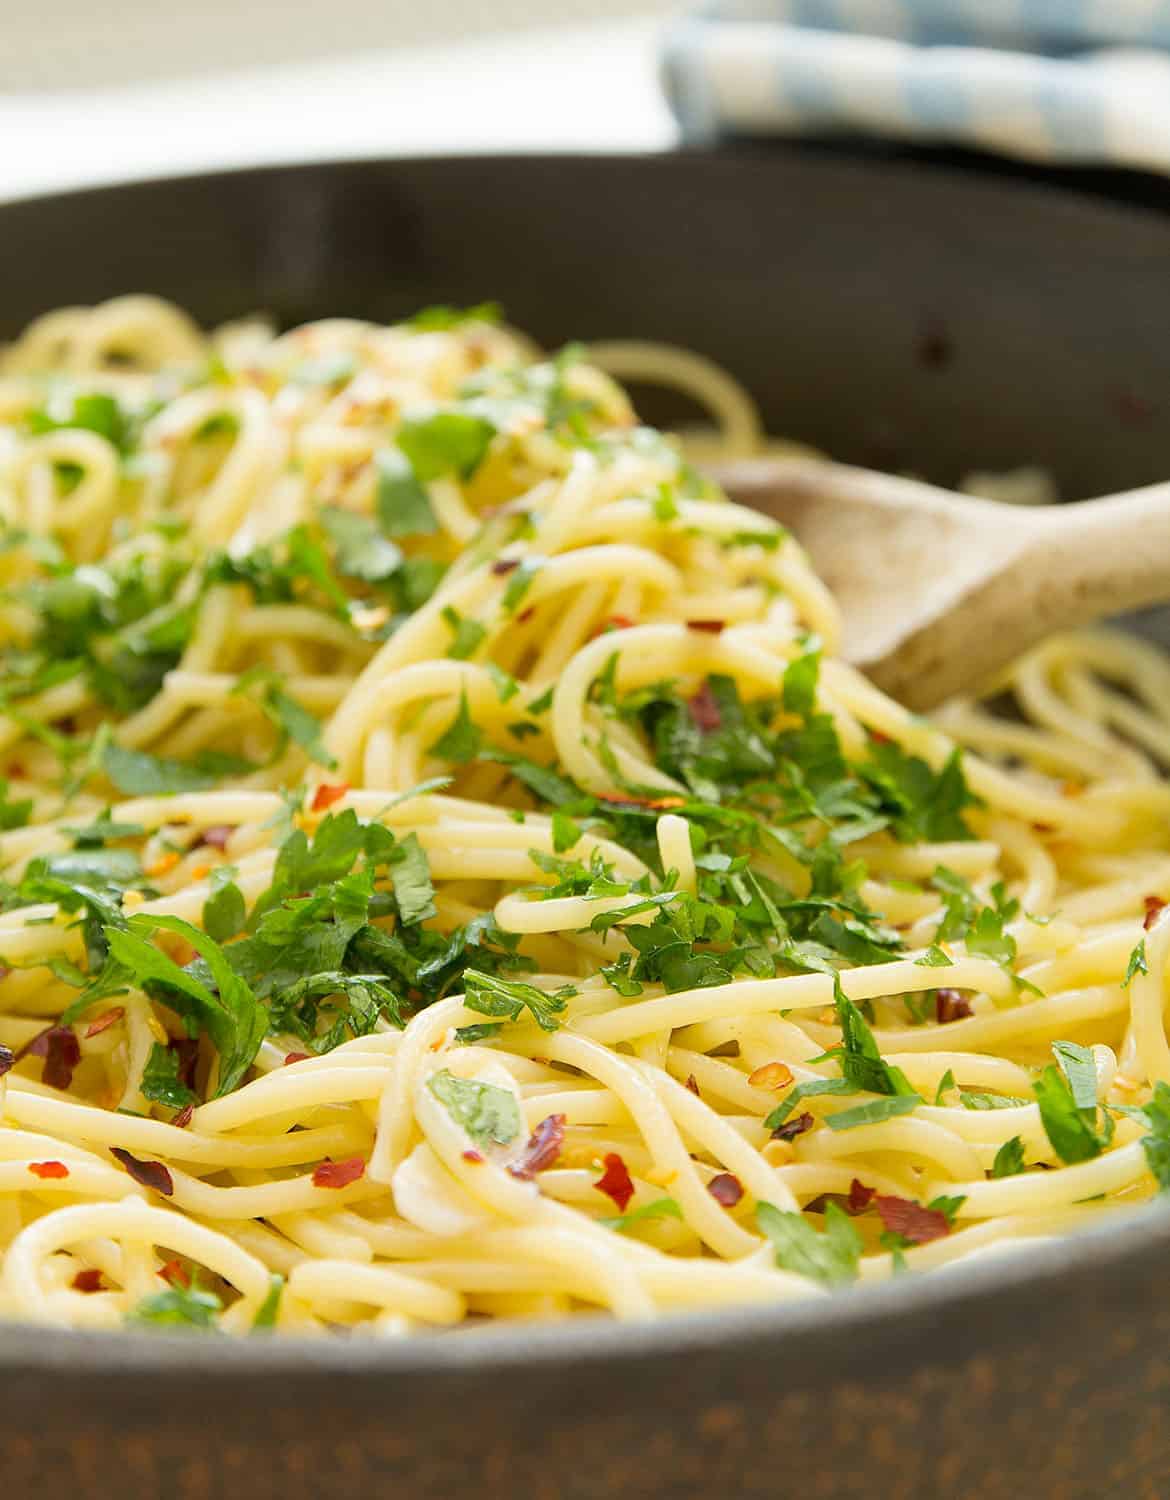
x=446, y=873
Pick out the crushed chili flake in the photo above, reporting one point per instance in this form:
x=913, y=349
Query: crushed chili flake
x=712, y=627
x=89, y=1280
x=339, y=1174
x=474, y=1156
x=59, y=1046
x=543, y=1148
x=656, y=804
x=860, y=1196
x=911, y=1220
x=726, y=1189
x=175, y=1273
x=692, y=1083
x=294, y=1057
x=215, y=837
x=107, y=1019
x=326, y=795
x=771, y=1075
x=614, y=622
x=615, y=1182
x=184, y=1117
x=951, y=1005
x=526, y=614
x=148, y=1174
x=504, y=565
x=48, y=1170
x=1154, y=907
x=793, y=1127
x=704, y=709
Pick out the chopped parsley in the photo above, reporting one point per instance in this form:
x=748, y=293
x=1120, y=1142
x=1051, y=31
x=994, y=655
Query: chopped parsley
x=488, y=1114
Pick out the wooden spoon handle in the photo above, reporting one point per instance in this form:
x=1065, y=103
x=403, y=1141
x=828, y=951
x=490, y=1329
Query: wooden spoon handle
x=1076, y=564
x=1104, y=556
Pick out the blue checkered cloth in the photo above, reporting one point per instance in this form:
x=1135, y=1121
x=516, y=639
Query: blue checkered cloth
x=1074, y=81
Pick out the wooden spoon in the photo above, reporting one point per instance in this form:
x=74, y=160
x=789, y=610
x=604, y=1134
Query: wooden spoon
x=939, y=590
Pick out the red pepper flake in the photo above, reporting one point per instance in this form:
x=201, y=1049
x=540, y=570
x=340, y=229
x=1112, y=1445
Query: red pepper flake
x=1154, y=908
x=215, y=837
x=771, y=1075
x=911, y=1220
x=878, y=737
x=89, y=1280
x=615, y=1181
x=951, y=1005
x=726, y=1189
x=292, y=1057
x=59, y=1046
x=15, y=771
x=693, y=1085
x=1044, y=827
x=184, y=1117
x=797, y=1125
x=49, y=1171
x=656, y=804
x=543, y=1148
x=526, y=614
x=504, y=565
x=148, y=1174
x=105, y=1021
x=614, y=622
x=860, y=1196
x=712, y=627
x=7, y=1060
x=325, y=795
x=339, y=1174
x=175, y=1273
x=474, y=1156
x=704, y=709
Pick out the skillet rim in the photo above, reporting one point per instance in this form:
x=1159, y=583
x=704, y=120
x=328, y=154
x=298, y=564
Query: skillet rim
x=1131, y=1242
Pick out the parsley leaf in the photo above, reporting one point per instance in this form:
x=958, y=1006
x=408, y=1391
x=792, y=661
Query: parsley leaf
x=487, y=1113
x=410, y=876
x=1071, y=1127
x=161, y=1081
x=360, y=549
x=178, y=1307
x=1155, y=1116
x=492, y=996
x=925, y=806
x=232, y=1016
x=861, y=1062
x=291, y=718
x=1137, y=963
x=224, y=910
x=874, y=1112
x=462, y=739
x=661, y=1208
x=269, y=1310
x=467, y=634
x=404, y=507
x=445, y=442
x=137, y=774
x=1009, y=1159
x=830, y=1258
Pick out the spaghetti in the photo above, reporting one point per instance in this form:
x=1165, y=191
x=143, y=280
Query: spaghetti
x=447, y=874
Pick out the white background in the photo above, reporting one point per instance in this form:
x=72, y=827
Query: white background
x=100, y=90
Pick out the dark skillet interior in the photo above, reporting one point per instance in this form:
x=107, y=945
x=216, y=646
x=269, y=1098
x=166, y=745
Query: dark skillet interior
x=938, y=314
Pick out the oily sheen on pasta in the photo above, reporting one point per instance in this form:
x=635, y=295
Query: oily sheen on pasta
x=448, y=876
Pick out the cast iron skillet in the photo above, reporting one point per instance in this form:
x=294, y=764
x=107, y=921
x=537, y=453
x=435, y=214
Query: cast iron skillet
x=938, y=314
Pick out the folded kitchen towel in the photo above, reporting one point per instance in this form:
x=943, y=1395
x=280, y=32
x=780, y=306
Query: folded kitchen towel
x=1075, y=81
